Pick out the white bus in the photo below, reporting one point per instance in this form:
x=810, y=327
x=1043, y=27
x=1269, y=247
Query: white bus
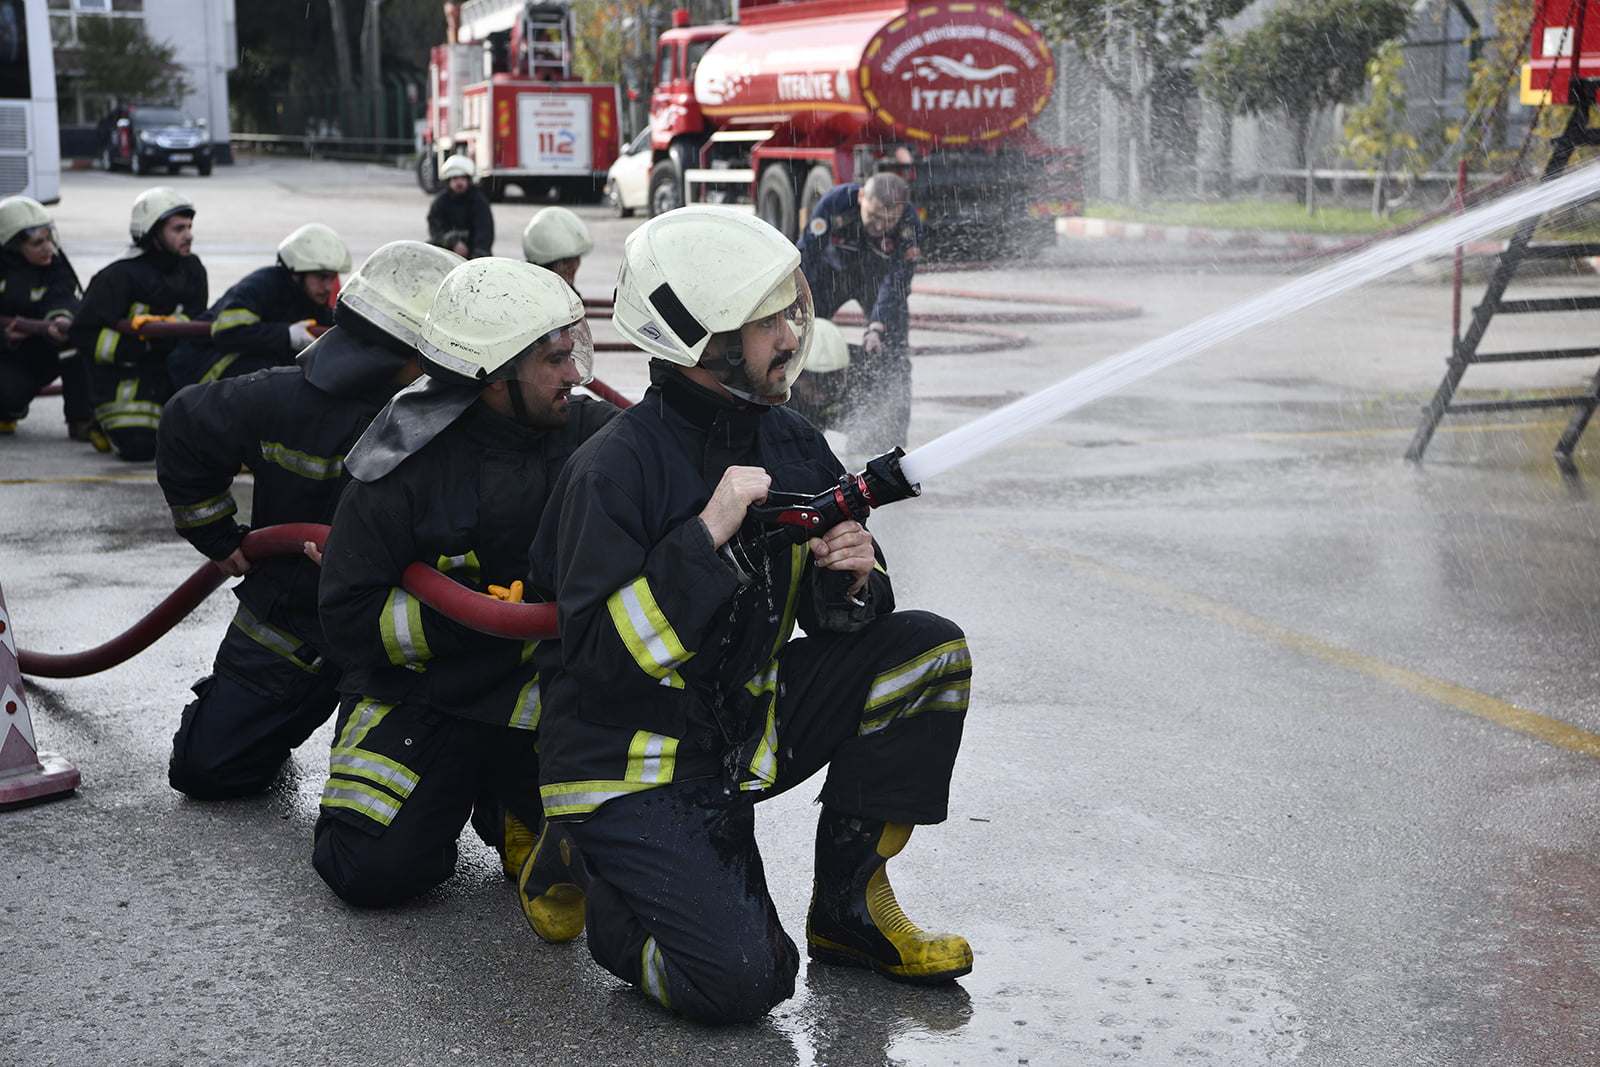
x=30, y=141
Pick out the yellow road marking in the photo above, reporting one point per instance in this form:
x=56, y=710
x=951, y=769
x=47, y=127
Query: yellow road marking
x=1540, y=727
x=82, y=478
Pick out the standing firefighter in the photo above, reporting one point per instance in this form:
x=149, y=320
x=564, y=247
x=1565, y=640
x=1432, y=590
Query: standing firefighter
x=454, y=473
x=459, y=217
x=862, y=244
x=557, y=240
x=274, y=681
x=159, y=279
x=678, y=697
x=265, y=320
x=36, y=283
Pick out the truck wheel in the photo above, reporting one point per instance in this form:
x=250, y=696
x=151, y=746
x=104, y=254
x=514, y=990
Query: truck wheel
x=775, y=199
x=665, y=192
x=428, y=173
x=819, y=180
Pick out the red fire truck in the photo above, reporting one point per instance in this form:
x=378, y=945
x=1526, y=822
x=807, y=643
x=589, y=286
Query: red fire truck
x=501, y=91
x=1563, y=51
x=800, y=95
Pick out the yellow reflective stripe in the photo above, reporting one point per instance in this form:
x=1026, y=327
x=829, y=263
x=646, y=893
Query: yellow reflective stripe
x=317, y=468
x=358, y=796
x=467, y=564
x=367, y=714
x=644, y=629
x=216, y=370
x=580, y=798
x=188, y=516
x=923, y=676
x=401, y=627
x=797, y=570
x=764, y=761
x=529, y=706
x=653, y=973
x=126, y=412
x=105, y=345
x=375, y=767
x=36, y=295
x=270, y=637
x=652, y=758
x=232, y=319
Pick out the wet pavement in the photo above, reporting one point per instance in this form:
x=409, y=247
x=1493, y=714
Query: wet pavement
x=1282, y=749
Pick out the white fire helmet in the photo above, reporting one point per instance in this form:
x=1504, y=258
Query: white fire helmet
x=394, y=288
x=703, y=270
x=488, y=311
x=155, y=206
x=458, y=167
x=18, y=214
x=314, y=248
x=830, y=351
x=555, y=233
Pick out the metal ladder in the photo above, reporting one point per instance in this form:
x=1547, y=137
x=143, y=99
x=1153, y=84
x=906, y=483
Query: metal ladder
x=1518, y=251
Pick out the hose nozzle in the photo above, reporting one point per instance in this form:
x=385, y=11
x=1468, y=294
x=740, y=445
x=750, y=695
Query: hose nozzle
x=797, y=517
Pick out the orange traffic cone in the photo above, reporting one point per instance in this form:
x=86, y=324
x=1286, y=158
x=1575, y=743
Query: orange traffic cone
x=26, y=774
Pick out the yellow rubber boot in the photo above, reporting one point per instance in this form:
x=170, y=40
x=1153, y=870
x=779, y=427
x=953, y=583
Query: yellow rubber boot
x=516, y=841
x=855, y=920
x=551, y=885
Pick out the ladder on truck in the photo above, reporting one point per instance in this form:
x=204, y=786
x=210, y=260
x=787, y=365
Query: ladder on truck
x=740, y=178
x=1520, y=250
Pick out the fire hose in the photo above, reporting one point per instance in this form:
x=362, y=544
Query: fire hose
x=793, y=518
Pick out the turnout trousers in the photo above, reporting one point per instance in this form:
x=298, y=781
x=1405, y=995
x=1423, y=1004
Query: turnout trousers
x=402, y=783
x=269, y=690
x=677, y=901
x=127, y=405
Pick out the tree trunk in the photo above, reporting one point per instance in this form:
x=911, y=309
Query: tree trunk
x=371, y=64
x=1307, y=124
x=341, y=64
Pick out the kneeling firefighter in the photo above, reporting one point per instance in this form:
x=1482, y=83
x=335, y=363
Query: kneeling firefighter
x=437, y=717
x=678, y=695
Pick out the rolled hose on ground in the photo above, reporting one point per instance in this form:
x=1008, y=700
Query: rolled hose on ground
x=521, y=622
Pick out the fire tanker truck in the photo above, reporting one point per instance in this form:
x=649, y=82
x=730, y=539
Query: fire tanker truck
x=799, y=95
x=501, y=91
x=1563, y=53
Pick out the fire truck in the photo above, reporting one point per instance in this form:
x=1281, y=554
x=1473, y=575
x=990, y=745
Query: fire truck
x=1563, y=52
x=799, y=95
x=501, y=92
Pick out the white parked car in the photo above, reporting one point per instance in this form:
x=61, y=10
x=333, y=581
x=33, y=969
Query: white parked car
x=628, y=181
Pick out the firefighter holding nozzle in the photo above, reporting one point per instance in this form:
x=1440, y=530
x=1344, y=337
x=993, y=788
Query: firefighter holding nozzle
x=678, y=695
x=862, y=244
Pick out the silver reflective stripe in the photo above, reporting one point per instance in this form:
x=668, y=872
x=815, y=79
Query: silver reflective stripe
x=652, y=758
x=525, y=716
x=653, y=973
x=919, y=685
x=577, y=798
x=363, y=717
x=374, y=804
x=275, y=640
x=401, y=629
x=356, y=763
x=188, y=516
x=233, y=318
x=645, y=630
x=764, y=762
x=317, y=468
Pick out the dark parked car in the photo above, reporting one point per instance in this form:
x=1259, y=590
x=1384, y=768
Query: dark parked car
x=144, y=138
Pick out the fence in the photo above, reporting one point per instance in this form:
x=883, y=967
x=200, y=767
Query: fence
x=321, y=119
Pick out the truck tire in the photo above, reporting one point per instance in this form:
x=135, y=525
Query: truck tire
x=819, y=180
x=428, y=173
x=775, y=199
x=666, y=192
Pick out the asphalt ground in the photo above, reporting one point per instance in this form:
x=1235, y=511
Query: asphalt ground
x=1282, y=749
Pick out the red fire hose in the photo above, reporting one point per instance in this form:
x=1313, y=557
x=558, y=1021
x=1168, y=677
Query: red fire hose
x=158, y=330
x=518, y=621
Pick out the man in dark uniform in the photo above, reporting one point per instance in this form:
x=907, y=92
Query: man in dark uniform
x=265, y=320
x=454, y=472
x=460, y=218
x=677, y=696
x=37, y=283
x=274, y=681
x=862, y=244
x=159, y=279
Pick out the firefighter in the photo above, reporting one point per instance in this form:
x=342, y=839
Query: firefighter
x=459, y=218
x=557, y=240
x=265, y=320
x=160, y=279
x=438, y=717
x=819, y=393
x=677, y=696
x=862, y=244
x=37, y=283
x=273, y=682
